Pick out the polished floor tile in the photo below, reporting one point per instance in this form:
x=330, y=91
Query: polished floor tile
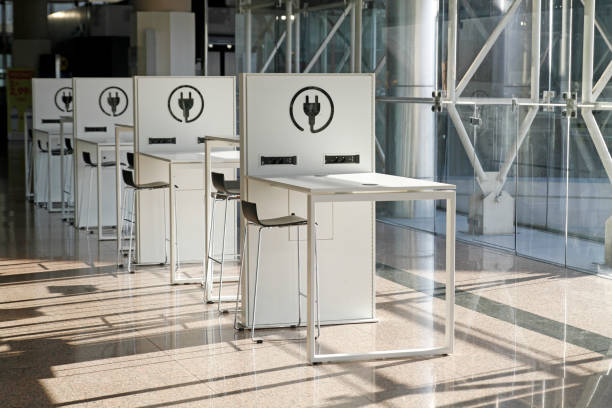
x=77, y=331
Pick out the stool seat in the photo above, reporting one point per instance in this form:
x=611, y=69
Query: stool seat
x=152, y=186
x=286, y=221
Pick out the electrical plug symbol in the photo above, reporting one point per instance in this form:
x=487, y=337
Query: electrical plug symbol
x=113, y=102
x=67, y=100
x=312, y=109
x=185, y=104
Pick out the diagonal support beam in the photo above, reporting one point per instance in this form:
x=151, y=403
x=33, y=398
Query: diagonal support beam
x=536, y=31
x=487, y=46
x=588, y=95
x=274, y=51
x=327, y=39
x=602, y=82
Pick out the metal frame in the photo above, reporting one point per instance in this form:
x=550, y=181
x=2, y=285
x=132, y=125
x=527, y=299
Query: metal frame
x=209, y=143
x=447, y=348
x=118, y=182
x=313, y=198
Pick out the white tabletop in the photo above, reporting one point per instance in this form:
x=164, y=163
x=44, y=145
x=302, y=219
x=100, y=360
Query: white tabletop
x=230, y=156
x=226, y=156
x=354, y=183
x=228, y=139
x=106, y=140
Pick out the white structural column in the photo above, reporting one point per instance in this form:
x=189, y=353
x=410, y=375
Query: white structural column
x=452, y=96
x=588, y=97
x=536, y=30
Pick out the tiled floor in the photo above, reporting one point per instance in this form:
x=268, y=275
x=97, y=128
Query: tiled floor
x=75, y=331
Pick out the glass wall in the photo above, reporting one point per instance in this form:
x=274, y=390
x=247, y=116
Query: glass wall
x=485, y=95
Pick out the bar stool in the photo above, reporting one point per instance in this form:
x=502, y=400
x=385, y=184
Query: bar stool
x=132, y=187
x=226, y=191
x=93, y=166
x=130, y=160
x=68, y=151
x=53, y=152
x=249, y=212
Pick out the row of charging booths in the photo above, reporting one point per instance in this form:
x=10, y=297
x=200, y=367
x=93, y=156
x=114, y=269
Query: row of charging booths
x=303, y=139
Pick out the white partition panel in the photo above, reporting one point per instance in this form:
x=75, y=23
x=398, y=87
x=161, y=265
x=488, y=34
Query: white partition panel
x=51, y=98
x=99, y=103
x=171, y=113
x=309, y=124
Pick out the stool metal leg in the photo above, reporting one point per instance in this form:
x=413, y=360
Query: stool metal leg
x=299, y=297
x=256, y=281
x=222, y=256
x=176, y=240
x=241, y=272
x=165, y=232
x=89, y=200
x=132, y=222
x=317, y=286
x=207, y=273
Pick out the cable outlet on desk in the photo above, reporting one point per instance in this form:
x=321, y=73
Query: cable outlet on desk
x=342, y=159
x=268, y=160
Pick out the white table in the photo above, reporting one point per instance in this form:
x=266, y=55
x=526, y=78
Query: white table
x=119, y=146
x=100, y=144
x=230, y=158
x=171, y=160
x=371, y=187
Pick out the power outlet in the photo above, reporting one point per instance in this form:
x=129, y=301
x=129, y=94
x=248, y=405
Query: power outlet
x=342, y=159
x=95, y=128
x=268, y=160
x=162, y=140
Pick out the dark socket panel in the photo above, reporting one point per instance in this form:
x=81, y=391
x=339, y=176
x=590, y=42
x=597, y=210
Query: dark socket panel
x=95, y=128
x=342, y=159
x=50, y=121
x=268, y=160
x=162, y=140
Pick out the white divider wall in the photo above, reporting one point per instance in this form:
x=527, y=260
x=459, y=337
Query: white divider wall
x=51, y=98
x=99, y=104
x=158, y=115
x=346, y=231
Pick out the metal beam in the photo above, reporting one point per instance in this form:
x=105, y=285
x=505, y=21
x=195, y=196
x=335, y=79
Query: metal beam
x=274, y=51
x=588, y=49
x=297, y=39
x=481, y=29
x=487, y=46
x=452, y=78
x=536, y=30
x=327, y=39
x=358, y=35
x=602, y=82
x=289, y=31
x=247, y=43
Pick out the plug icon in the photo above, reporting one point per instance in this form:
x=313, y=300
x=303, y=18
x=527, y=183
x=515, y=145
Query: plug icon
x=185, y=104
x=113, y=102
x=66, y=100
x=312, y=109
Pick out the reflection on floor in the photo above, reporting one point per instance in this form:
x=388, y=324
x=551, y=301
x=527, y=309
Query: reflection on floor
x=76, y=331
x=582, y=254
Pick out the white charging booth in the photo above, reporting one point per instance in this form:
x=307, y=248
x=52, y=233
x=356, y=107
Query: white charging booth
x=172, y=115
x=99, y=103
x=51, y=99
x=309, y=151
x=278, y=132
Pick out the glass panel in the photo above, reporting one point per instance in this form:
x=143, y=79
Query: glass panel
x=541, y=199
x=590, y=199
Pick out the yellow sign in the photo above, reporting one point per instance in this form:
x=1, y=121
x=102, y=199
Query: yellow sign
x=18, y=100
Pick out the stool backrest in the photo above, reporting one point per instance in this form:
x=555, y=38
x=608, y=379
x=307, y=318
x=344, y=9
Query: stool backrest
x=249, y=212
x=40, y=147
x=68, y=143
x=87, y=159
x=128, y=178
x=218, y=180
x=130, y=159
